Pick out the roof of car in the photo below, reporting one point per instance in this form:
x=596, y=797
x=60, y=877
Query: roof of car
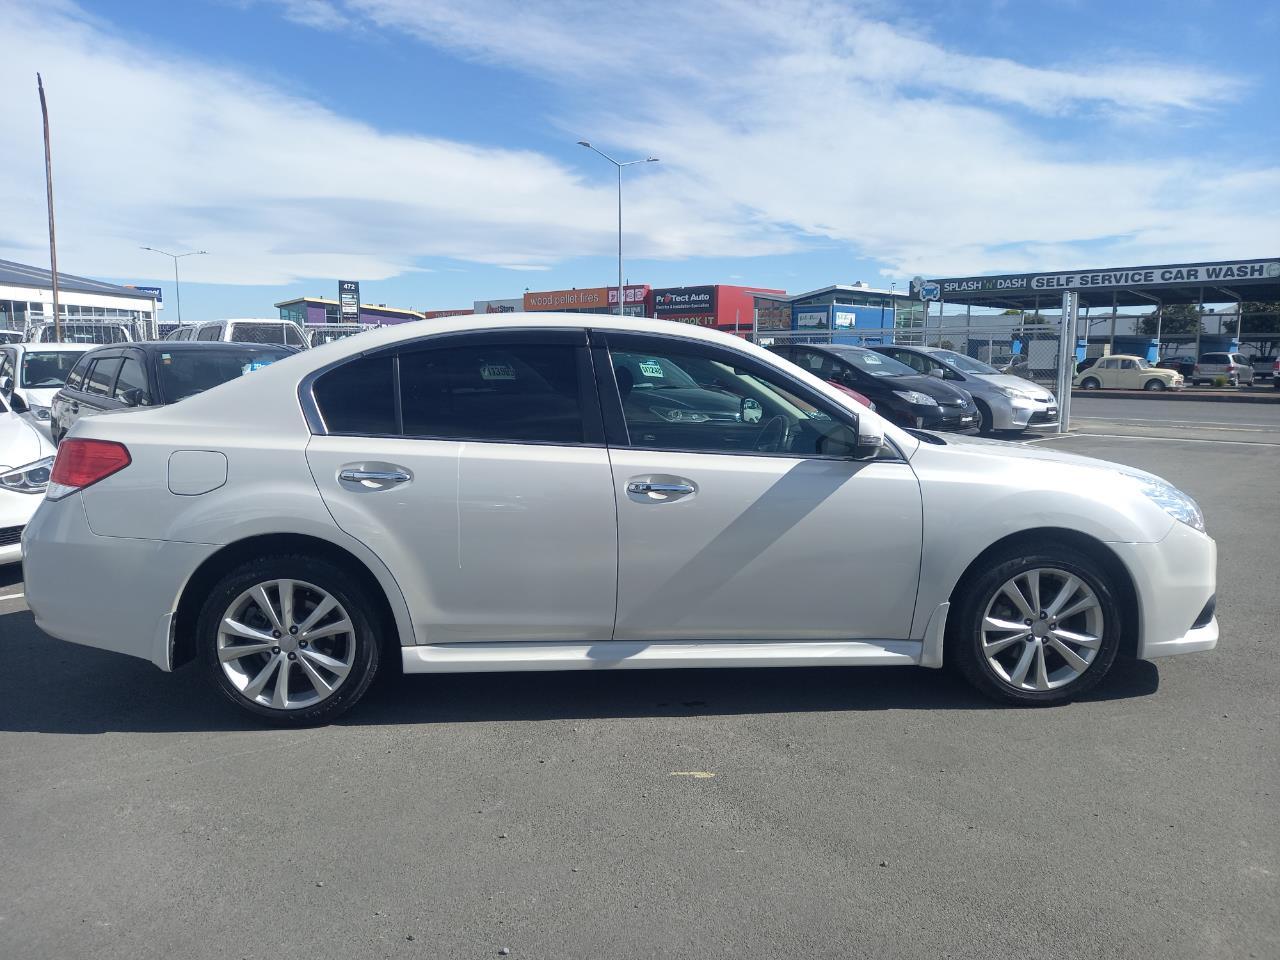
x=45, y=347
x=189, y=346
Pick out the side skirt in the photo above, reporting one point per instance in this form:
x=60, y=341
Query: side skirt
x=629, y=655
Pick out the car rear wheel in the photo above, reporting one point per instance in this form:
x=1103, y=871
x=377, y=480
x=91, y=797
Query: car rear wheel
x=1090, y=383
x=1153, y=385
x=289, y=639
x=1038, y=627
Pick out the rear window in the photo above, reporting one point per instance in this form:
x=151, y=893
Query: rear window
x=1213, y=358
x=184, y=373
x=257, y=333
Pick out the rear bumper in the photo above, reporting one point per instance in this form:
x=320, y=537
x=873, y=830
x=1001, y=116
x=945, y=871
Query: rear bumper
x=112, y=593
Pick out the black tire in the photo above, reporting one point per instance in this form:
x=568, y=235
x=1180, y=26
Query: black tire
x=1153, y=385
x=985, y=420
x=1090, y=383
x=328, y=577
x=963, y=651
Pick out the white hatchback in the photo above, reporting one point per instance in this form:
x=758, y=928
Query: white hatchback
x=589, y=492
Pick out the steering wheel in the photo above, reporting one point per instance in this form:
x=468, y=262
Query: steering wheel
x=772, y=436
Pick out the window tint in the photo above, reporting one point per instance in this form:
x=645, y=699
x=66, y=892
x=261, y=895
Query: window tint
x=258, y=332
x=102, y=377
x=75, y=379
x=727, y=408
x=131, y=378
x=1127, y=364
x=211, y=332
x=515, y=392
x=358, y=397
x=184, y=373
x=292, y=337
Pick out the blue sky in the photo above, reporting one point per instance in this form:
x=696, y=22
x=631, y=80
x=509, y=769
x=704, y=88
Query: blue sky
x=428, y=149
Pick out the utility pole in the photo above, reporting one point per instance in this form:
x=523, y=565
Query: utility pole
x=177, y=284
x=53, y=241
x=619, y=164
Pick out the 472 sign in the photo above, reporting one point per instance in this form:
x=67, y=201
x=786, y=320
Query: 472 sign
x=349, y=301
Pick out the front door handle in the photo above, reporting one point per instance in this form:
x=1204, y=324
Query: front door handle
x=374, y=476
x=659, y=488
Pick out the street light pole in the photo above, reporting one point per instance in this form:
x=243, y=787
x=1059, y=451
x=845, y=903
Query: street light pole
x=177, y=285
x=619, y=165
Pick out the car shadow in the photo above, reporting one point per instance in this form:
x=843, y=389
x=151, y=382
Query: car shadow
x=78, y=690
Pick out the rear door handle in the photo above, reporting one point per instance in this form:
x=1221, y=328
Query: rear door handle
x=374, y=476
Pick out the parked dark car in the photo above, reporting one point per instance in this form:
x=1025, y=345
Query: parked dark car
x=151, y=374
x=900, y=394
x=1185, y=365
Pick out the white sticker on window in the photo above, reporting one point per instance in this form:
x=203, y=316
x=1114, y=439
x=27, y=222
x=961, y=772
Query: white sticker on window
x=871, y=358
x=652, y=368
x=497, y=371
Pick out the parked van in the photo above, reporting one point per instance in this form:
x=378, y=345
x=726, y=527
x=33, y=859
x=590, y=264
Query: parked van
x=247, y=330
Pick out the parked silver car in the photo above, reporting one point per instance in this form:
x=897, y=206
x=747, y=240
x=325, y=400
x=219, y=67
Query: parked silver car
x=1004, y=402
x=1234, y=366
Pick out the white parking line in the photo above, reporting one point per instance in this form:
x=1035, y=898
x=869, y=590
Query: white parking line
x=1123, y=436
x=1182, y=423
x=12, y=596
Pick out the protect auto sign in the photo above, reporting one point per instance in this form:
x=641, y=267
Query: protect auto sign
x=682, y=301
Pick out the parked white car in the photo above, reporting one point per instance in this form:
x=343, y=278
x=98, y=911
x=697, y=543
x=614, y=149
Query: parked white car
x=26, y=458
x=494, y=493
x=246, y=330
x=31, y=373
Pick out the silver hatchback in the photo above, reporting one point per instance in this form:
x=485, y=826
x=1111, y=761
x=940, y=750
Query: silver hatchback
x=1233, y=366
x=1004, y=402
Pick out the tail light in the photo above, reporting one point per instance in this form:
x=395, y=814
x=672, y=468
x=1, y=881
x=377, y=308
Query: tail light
x=82, y=463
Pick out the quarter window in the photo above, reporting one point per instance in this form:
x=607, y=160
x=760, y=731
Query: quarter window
x=211, y=332
x=131, y=378
x=75, y=379
x=359, y=397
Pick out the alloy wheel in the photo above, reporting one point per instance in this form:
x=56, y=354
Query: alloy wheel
x=286, y=644
x=1042, y=629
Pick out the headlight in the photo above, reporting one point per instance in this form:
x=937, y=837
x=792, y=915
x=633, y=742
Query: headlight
x=680, y=415
x=1013, y=393
x=33, y=478
x=39, y=412
x=916, y=397
x=1172, y=501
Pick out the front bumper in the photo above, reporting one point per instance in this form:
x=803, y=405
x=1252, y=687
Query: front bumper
x=1017, y=413
x=16, y=510
x=949, y=419
x=1175, y=579
x=104, y=592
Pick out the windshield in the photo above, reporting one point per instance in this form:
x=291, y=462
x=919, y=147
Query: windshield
x=46, y=369
x=184, y=373
x=877, y=364
x=963, y=363
x=650, y=373
x=1141, y=364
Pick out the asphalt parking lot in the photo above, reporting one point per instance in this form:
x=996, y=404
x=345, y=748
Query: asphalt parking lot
x=780, y=813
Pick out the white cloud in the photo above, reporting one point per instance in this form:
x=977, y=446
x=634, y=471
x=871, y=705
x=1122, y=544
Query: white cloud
x=777, y=123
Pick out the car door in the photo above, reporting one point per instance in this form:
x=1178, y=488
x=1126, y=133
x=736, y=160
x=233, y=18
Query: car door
x=740, y=527
x=474, y=465
x=95, y=393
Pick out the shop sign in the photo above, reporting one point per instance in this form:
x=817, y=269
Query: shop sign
x=349, y=301
x=685, y=300
x=1176, y=274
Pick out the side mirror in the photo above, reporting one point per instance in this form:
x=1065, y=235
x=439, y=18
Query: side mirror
x=133, y=397
x=750, y=410
x=938, y=372
x=860, y=442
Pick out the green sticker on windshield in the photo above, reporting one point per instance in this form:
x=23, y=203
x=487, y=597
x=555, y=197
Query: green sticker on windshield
x=652, y=368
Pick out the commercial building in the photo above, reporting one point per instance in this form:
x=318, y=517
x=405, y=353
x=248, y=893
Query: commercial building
x=512, y=305
x=26, y=298
x=636, y=302
x=725, y=307
x=318, y=310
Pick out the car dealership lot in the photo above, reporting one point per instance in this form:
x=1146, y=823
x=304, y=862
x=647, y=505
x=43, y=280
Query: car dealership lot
x=767, y=813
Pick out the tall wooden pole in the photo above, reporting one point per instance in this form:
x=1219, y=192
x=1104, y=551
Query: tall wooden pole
x=53, y=240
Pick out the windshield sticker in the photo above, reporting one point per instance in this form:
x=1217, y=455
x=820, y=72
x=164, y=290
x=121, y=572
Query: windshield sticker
x=871, y=358
x=166, y=358
x=652, y=368
x=497, y=371
x=253, y=365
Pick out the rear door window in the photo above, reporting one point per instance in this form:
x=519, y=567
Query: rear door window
x=359, y=397
x=75, y=379
x=211, y=332
x=102, y=377
x=131, y=377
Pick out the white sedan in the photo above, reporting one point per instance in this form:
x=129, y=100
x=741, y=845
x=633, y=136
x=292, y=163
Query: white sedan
x=572, y=492
x=26, y=457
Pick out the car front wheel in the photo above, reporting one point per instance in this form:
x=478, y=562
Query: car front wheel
x=1038, y=627
x=1154, y=385
x=289, y=639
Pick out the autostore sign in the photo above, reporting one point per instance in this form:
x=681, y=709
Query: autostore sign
x=587, y=298
x=685, y=301
x=1177, y=274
